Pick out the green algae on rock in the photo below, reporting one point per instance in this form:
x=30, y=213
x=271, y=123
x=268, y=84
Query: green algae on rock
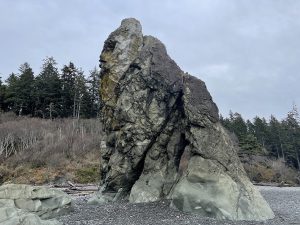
x=164, y=138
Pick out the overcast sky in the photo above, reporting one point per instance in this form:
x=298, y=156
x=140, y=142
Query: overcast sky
x=247, y=51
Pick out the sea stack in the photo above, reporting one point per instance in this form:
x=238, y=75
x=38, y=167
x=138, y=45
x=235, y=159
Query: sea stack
x=164, y=138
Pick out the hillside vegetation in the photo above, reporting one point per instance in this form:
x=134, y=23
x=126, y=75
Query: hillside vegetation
x=34, y=150
x=269, y=149
x=38, y=151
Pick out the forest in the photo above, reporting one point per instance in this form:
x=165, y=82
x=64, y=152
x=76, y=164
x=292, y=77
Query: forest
x=52, y=93
x=272, y=138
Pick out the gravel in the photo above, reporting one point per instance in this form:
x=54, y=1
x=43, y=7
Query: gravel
x=285, y=203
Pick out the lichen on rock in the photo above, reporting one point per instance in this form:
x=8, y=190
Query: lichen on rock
x=164, y=138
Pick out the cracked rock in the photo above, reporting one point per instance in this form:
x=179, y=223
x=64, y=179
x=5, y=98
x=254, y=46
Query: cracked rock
x=164, y=138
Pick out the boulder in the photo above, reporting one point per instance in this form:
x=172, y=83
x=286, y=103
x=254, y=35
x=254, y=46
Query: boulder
x=14, y=216
x=164, y=138
x=23, y=203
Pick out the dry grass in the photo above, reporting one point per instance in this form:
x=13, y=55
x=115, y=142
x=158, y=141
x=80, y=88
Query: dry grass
x=262, y=169
x=39, y=151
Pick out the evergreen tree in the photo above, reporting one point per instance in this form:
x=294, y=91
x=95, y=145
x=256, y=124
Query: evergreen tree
x=50, y=94
x=260, y=130
x=87, y=104
x=250, y=146
x=245, y=133
x=11, y=98
x=280, y=139
x=68, y=77
x=292, y=137
x=3, y=104
x=226, y=122
x=275, y=138
x=77, y=98
x=250, y=127
x=80, y=90
x=93, y=89
x=48, y=90
x=237, y=125
x=25, y=86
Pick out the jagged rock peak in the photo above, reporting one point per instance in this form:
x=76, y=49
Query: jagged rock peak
x=164, y=138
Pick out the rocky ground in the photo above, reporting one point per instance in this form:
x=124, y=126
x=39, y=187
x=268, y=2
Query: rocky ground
x=284, y=201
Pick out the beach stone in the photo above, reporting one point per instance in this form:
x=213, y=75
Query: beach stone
x=19, y=202
x=14, y=216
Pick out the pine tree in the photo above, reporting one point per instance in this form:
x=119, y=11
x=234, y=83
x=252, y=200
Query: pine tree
x=68, y=77
x=80, y=90
x=275, y=138
x=244, y=131
x=250, y=146
x=261, y=130
x=237, y=125
x=93, y=89
x=11, y=98
x=25, y=87
x=87, y=104
x=48, y=90
x=250, y=127
x=280, y=139
x=292, y=137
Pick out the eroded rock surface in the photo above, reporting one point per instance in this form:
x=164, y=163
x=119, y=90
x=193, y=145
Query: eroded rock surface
x=164, y=138
x=25, y=204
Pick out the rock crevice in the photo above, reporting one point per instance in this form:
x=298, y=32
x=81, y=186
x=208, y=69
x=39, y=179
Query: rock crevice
x=164, y=138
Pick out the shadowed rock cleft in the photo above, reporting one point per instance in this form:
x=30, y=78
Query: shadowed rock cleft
x=164, y=138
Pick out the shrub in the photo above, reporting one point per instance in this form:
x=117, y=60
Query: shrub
x=43, y=142
x=263, y=169
x=87, y=174
x=36, y=144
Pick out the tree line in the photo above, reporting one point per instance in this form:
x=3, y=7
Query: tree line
x=273, y=138
x=53, y=93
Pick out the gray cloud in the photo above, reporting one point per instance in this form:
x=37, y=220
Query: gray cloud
x=247, y=51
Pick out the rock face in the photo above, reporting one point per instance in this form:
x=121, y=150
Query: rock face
x=164, y=138
x=26, y=204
